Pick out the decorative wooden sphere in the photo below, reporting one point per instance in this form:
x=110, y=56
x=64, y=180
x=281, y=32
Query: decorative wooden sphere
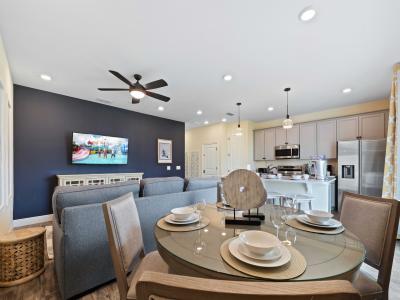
x=244, y=190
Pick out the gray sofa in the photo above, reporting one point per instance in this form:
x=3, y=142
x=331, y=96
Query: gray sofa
x=81, y=254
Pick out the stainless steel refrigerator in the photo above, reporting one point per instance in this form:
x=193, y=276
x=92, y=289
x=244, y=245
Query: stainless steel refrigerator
x=360, y=167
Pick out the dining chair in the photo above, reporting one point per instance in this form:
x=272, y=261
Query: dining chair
x=374, y=221
x=158, y=286
x=126, y=245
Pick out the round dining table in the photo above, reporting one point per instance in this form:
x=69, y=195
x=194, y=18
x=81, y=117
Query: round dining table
x=197, y=252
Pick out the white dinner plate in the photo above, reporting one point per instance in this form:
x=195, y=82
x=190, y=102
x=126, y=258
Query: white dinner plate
x=234, y=250
x=170, y=219
x=332, y=224
x=272, y=255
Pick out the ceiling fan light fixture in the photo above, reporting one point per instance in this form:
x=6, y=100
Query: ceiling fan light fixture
x=137, y=94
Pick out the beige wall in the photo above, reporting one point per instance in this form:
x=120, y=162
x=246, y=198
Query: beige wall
x=6, y=143
x=228, y=144
x=220, y=133
x=365, y=107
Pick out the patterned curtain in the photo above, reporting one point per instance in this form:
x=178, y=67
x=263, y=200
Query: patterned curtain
x=391, y=179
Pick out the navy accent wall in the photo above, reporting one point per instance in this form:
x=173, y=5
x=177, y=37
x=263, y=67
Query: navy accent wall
x=43, y=126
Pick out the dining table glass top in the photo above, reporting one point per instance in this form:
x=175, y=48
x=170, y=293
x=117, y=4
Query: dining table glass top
x=327, y=256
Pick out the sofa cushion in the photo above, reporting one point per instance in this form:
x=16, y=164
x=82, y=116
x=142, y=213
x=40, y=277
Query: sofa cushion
x=199, y=183
x=67, y=196
x=161, y=186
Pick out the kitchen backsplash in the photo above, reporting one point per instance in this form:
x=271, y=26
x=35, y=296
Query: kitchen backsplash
x=292, y=162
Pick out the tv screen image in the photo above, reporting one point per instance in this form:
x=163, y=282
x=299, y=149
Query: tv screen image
x=99, y=149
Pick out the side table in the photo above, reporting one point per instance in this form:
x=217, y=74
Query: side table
x=21, y=255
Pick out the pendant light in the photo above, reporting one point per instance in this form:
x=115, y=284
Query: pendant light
x=238, y=131
x=287, y=123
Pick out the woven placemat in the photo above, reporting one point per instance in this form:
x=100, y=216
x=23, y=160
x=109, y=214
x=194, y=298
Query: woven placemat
x=291, y=221
x=190, y=227
x=292, y=269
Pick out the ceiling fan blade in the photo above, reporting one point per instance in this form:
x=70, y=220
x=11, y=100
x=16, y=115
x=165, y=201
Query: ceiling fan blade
x=158, y=96
x=155, y=84
x=107, y=89
x=135, y=101
x=120, y=77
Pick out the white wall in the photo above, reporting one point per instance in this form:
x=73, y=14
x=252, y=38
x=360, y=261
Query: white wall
x=6, y=144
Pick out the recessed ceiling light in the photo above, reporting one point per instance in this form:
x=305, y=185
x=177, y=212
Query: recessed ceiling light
x=223, y=120
x=45, y=77
x=161, y=108
x=346, y=90
x=228, y=77
x=307, y=14
x=205, y=122
x=199, y=112
x=270, y=108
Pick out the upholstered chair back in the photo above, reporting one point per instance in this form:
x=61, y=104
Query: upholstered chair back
x=374, y=221
x=125, y=236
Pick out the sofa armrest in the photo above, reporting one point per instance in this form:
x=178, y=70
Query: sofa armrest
x=86, y=256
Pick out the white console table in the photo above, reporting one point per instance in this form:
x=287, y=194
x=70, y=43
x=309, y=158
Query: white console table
x=97, y=179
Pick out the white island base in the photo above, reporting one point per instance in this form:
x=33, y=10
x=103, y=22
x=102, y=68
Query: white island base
x=322, y=190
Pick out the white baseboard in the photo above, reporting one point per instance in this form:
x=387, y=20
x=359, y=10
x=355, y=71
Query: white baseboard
x=32, y=221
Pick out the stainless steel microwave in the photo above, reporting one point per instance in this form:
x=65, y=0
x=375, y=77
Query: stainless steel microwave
x=287, y=151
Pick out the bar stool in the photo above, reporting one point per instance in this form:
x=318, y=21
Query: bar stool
x=272, y=196
x=302, y=199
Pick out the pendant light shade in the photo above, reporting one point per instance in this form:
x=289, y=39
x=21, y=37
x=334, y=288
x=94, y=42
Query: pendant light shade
x=238, y=131
x=287, y=123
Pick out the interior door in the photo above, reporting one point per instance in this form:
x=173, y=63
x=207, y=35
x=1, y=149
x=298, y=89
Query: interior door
x=210, y=159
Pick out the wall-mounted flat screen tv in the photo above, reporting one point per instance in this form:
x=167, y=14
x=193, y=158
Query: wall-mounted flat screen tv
x=96, y=149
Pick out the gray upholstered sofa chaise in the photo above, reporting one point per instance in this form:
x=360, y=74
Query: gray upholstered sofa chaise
x=81, y=252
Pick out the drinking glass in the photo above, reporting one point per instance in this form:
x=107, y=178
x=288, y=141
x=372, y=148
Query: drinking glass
x=290, y=236
x=200, y=206
x=277, y=219
x=291, y=202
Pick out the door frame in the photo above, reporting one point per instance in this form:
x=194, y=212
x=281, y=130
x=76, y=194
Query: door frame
x=202, y=159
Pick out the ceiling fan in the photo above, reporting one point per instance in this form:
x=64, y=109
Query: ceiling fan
x=137, y=90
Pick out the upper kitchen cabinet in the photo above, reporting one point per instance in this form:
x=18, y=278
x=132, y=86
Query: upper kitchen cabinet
x=290, y=136
x=269, y=143
x=308, y=140
x=259, y=151
x=372, y=126
x=347, y=128
x=366, y=126
x=293, y=135
x=326, y=138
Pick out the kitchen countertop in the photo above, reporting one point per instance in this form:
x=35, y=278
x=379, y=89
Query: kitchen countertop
x=309, y=181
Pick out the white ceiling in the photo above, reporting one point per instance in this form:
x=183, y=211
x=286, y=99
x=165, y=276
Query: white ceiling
x=192, y=44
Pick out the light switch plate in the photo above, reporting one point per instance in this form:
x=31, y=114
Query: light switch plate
x=168, y=168
x=178, y=167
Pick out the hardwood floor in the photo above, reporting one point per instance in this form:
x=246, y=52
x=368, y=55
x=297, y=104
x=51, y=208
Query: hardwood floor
x=45, y=286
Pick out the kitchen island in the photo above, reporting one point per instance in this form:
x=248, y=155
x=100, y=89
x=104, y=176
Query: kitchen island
x=322, y=190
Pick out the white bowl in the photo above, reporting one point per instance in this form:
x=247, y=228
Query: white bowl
x=296, y=177
x=306, y=176
x=182, y=213
x=271, y=176
x=279, y=175
x=319, y=216
x=259, y=242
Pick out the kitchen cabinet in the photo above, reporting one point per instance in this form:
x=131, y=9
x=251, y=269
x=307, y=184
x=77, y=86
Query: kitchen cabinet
x=259, y=143
x=326, y=138
x=308, y=140
x=372, y=126
x=289, y=136
x=293, y=135
x=347, y=128
x=269, y=143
